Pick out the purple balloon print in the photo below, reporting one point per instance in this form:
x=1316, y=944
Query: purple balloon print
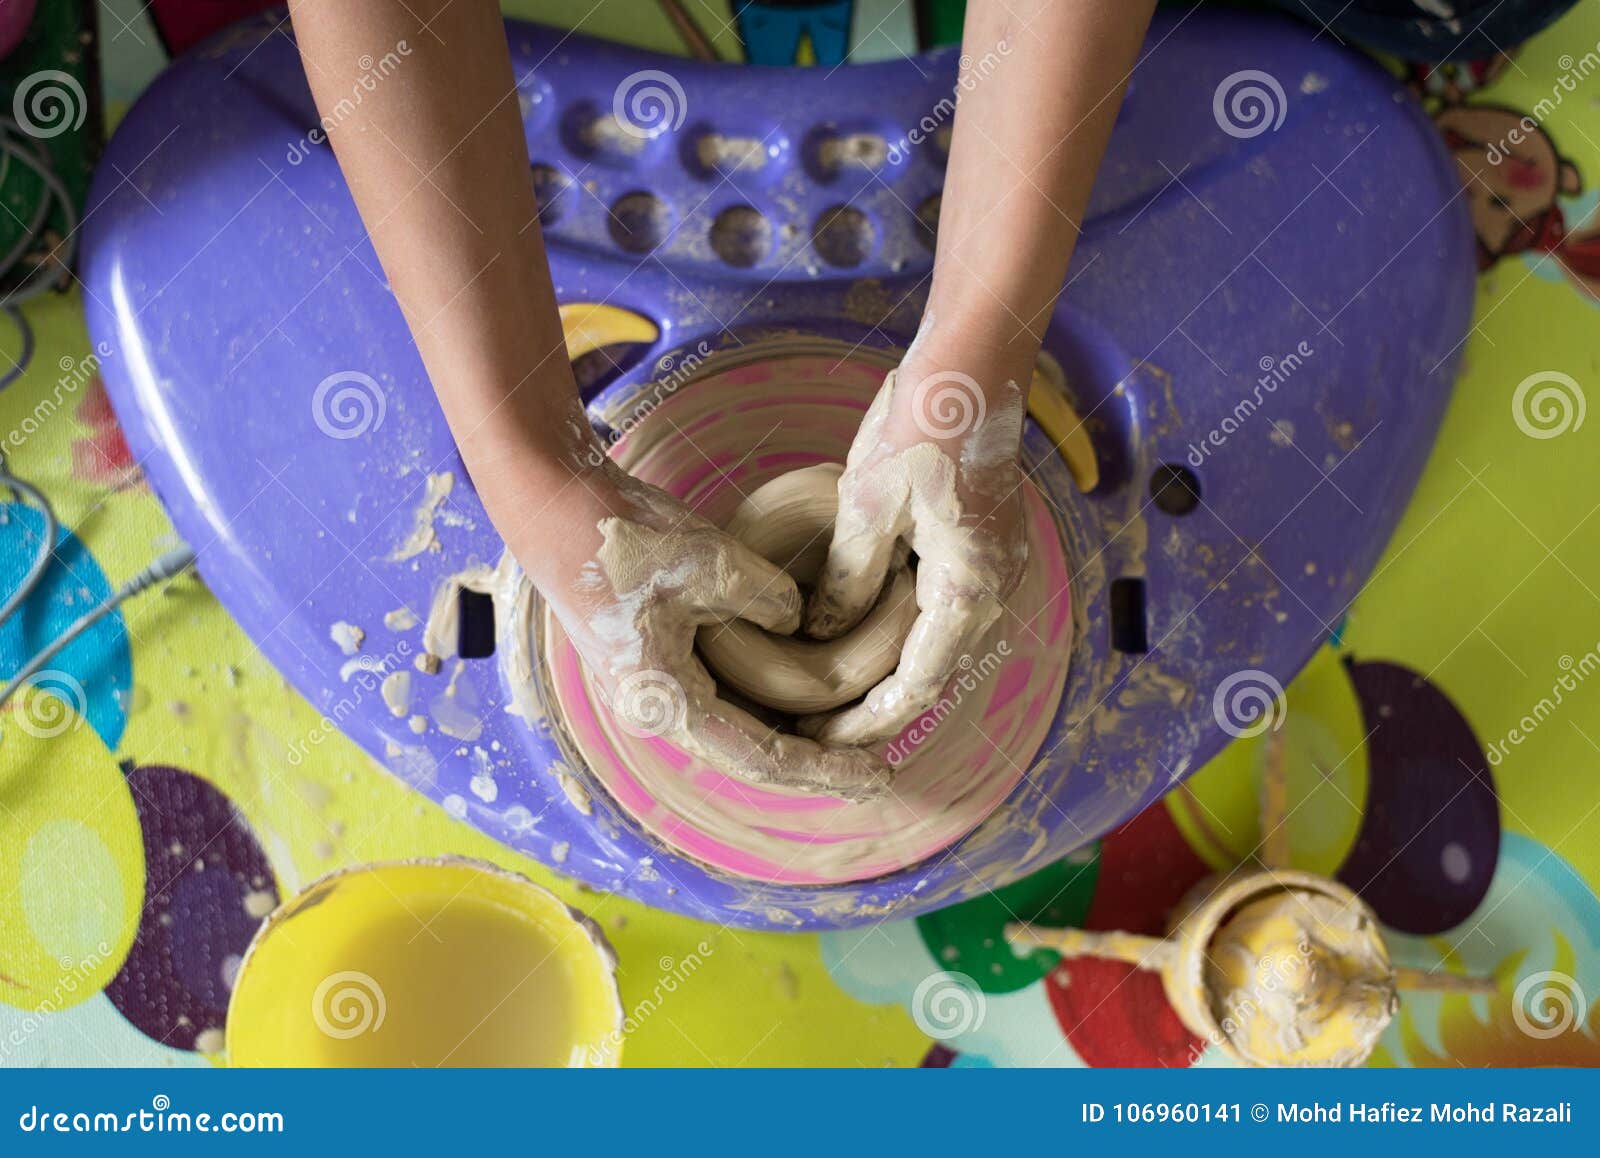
x=208, y=887
x=1428, y=844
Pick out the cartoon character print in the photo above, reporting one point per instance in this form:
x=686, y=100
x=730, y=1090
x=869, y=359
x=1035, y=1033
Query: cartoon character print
x=1516, y=181
x=101, y=456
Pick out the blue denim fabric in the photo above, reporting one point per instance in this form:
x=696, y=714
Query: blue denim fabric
x=1430, y=30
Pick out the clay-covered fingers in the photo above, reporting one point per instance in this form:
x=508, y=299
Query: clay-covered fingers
x=949, y=628
x=737, y=583
x=706, y=575
x=859, y=556
x=737, y=744
x=677, y=701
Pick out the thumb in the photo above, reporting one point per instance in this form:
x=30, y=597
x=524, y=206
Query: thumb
x=749, y=587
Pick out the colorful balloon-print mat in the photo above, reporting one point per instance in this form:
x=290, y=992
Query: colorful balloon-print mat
x=163, y=791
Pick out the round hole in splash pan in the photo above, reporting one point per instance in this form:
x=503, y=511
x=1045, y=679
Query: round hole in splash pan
x=744, y=419
x=741, y=235
x=1174, y=488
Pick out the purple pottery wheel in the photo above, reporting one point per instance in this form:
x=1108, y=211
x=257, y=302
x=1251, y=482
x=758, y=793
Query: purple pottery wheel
x=232, y=281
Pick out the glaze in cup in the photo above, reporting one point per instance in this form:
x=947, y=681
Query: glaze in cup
x=448, y=962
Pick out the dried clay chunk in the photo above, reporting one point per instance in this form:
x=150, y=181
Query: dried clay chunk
x=789, y=522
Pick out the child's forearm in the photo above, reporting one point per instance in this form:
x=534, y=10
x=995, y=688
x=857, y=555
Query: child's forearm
x=1028, y=138
x=436, y=160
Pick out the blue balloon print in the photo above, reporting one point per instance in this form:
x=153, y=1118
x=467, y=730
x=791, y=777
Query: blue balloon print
x=99, y=660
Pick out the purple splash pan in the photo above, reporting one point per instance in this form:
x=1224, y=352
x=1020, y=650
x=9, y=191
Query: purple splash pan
x=1272, y=305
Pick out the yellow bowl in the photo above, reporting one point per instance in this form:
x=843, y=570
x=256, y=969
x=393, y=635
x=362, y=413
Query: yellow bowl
x=448, y=962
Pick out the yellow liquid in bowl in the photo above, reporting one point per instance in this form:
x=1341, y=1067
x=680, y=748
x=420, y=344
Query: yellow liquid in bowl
x=449, y=963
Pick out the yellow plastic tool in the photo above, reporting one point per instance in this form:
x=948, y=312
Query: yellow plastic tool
x=1273, y=966
x=590, y=325
x=426, y=963
x=1048, y=404
x=1245, y=934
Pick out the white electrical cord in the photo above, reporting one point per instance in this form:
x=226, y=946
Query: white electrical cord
x=20, y=147
x=163, y=568
x=47, y=542
x=16, y=145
